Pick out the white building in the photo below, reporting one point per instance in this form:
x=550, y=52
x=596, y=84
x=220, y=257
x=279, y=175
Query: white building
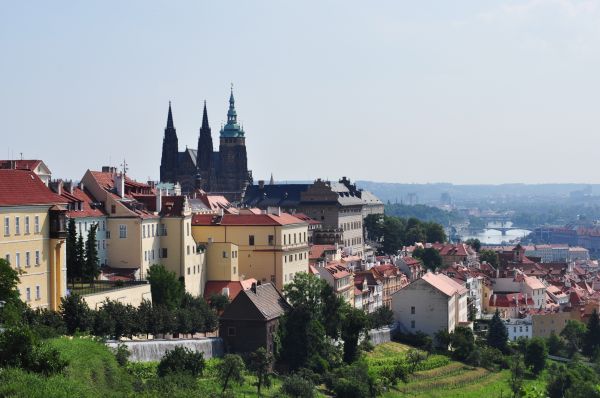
x=519, y=328
x=434, y=302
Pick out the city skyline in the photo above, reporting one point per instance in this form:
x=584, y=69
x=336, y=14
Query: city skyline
x=466, y=93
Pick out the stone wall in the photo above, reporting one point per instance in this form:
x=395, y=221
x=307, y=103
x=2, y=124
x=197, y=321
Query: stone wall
x=133, y=295
x=154, y=350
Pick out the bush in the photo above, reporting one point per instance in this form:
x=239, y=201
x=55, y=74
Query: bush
x=296, y=386
x=46, y=360
x=419, y=339
x=181, y=360
x=122, y=354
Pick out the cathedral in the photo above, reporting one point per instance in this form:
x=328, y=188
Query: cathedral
x=224, y=172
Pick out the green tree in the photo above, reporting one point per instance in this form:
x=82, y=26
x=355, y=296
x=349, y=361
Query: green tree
x=183, y=361
x=296, y=386
x=497, y=335
x=230, y=370
x=474, y=243
x=463, y=342
x=9, y=280
x=517, y=374
x=143, y=317
x=413, y=359
x=331, y=311
x=260, y=365
x=374, y=227
x=591, y=340
x=415, y=234
x=71, y=250
x=76, y=314
x=536, y=354
x=430, y=257
x=166, y=289
x=573, y=333
x=80, y=257
x=555, y=344
x=303, y=338
x=394, y=230
x=354, y=324
x=382, y=316
x=218, y=302
x=305, y=290
x=490, y=257
x=435, y=232
x=123, y=317
x=91, y=268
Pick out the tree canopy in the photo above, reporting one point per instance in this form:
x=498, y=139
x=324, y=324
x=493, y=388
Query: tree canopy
x=166, y=289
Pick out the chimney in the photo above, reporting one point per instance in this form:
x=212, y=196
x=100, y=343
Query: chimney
x=253, y=288
x=261, y=184
x=159, y=200
x=177, y=189
x=494, y=299
x=120, y=184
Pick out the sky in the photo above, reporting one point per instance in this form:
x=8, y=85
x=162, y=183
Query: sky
x=463, y=92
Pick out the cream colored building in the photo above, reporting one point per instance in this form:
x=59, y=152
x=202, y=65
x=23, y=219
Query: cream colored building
x=145, y=228
x=32, y=239
x=268, y=247
x=434, y=302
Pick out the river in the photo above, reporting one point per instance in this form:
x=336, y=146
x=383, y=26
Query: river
x=494, y=237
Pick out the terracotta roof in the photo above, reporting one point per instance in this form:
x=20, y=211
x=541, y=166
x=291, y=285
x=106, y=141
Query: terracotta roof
x=534, y=283
x=20, y=164
x=317, y=251
x=246, y=219
x=235, y=287
x=444, y=284
x=306, y=218
x=24, y=187
x=510, y=300
x=86, y=199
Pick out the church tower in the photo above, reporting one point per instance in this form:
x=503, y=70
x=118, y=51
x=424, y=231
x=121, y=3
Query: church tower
x=233, y=171
x=168, y=161
x=205, y=153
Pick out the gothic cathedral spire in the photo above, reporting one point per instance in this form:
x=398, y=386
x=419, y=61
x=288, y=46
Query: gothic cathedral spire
x=170, y=149
x=205, y=148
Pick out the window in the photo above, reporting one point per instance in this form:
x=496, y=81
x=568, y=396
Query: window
x=304, y=237
x=37, y=257
x=224, y=254
x=188, y=250
x=152, y=254
x=6, y=226
x=230, y=331
x=28, y=294
x=143, y=231
x=37, y=292
x=294, y=238
x=18, y=260
x=412, y=324
x=7, y=257
x=17, y=226
x=103, y=244
x=189, y=270
x=122, y=231
x=234, y=270
x=103, y=225
x=251, y=240
x=107, y=234
x=27, y=259
x=27, y=225
x=113, y=209
x=85, y=226
x=412, y=310
x=188, y=228
x=163, y=232
x=164, y=252
x=271, y=240
x=285, y=239
x=145, y=255
x=36, y=224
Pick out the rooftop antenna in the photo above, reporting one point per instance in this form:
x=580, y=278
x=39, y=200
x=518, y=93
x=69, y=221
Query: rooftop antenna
x=21, y=155
x=124, y=166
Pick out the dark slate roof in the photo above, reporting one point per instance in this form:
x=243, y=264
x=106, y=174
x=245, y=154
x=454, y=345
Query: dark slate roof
x=282, y=195
x=267, y=300
x=189, y=152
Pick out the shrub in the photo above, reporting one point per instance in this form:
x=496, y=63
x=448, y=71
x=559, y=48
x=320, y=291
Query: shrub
x=296, y=386
x=181, y=360
x=122, y=354
x=46, y=360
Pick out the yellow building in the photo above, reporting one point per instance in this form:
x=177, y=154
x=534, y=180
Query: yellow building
x=267, y=247
x=33, y=236
x=142, y=230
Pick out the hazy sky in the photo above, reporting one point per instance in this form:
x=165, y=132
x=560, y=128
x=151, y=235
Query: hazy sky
x=399, y=91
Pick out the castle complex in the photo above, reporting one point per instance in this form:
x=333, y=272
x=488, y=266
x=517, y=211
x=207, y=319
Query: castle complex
x=224, y=172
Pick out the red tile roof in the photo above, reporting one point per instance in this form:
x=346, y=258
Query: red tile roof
x=317, y=251
x=235, y=287
x=246, y=219
x=306, y=218
x=509, y=300
x=20, y=164
x=24, y=187
x=444, y=284
x=86, y=199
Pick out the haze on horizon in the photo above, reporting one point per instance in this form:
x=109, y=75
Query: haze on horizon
x=465, y=92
